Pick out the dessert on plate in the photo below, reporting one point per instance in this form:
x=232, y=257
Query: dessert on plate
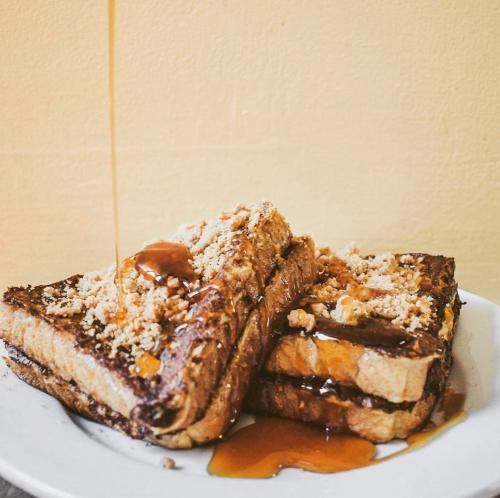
x=367, y=349
x=163, y=349
x=169, y=346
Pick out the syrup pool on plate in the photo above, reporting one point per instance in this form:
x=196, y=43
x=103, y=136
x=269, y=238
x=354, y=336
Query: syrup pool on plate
x=270, y=444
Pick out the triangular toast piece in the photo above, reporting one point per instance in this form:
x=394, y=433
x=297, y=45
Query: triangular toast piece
x=377, y=328
x=159, y=367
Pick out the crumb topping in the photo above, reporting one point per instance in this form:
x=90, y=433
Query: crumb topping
x=349, y=310
x=356, y=287
x=151, y=309
x=301, y=319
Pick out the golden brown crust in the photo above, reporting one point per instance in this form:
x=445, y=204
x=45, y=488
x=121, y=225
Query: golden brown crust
x=294, y=274
x=347, y=408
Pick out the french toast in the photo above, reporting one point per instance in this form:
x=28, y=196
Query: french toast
x=175, y=369
x=367, y=348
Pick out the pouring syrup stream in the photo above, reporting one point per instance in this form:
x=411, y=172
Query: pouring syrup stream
x=121, y=315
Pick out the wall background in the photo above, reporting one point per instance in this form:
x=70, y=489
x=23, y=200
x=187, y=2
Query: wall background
x=372, y=121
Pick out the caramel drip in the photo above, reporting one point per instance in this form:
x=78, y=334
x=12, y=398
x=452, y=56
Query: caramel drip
x=147, y=365
x=452, y=404
x=368, y=332
x=426, y=436
x=452, y=412
x=339, y=268
x=163, y=259
x=364, y=294
x=199, y=294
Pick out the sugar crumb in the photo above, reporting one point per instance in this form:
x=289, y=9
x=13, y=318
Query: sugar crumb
x=301, y=319
x=168, y=463
x=384, y=285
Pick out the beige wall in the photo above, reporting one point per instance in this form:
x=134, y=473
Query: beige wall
x=373, y=121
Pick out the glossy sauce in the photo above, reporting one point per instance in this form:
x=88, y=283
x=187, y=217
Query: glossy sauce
x=122, y=314
x=339, y=268
x=156, y=261
x=199, y=294
x=369, y=332
x=163, y=259
x=452, y=404
x=270, y=444
x=147, y=365
x=362, y=293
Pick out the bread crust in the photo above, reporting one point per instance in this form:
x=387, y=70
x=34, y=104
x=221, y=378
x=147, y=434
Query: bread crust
x=349, y=409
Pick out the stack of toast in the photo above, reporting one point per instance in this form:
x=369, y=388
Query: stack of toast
x=358, y=344
x=368, y=348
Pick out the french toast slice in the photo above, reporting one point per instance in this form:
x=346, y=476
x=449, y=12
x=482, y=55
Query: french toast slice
x=159, y=369
x=376, y=323
x=293, y=273
x=340, y=409
x=368, y=348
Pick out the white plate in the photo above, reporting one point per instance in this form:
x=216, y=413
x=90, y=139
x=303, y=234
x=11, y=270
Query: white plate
x=52, y=453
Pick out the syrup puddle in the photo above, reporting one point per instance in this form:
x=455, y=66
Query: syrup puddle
x=269, y=445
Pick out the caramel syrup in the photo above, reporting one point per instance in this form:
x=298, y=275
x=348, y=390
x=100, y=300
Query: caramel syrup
x=163, y=259
x=147, y=366
x=156, y=261
x=122, y=312
x=452, y=404
x=270, y=444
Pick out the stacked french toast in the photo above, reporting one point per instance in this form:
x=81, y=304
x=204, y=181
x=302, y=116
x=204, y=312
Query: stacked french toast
x=368, y=348
x=238, y=312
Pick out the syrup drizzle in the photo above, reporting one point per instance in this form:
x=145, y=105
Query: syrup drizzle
x=451, y=412
x=160, y=260
x=122, y=313
x=370, y=332
x=156, y=261
x=147, y=365
x=270, y=444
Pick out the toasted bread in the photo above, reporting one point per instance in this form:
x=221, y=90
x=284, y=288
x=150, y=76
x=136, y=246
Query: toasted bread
x=162, y=377
x=377, y=329
x=373, y=352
